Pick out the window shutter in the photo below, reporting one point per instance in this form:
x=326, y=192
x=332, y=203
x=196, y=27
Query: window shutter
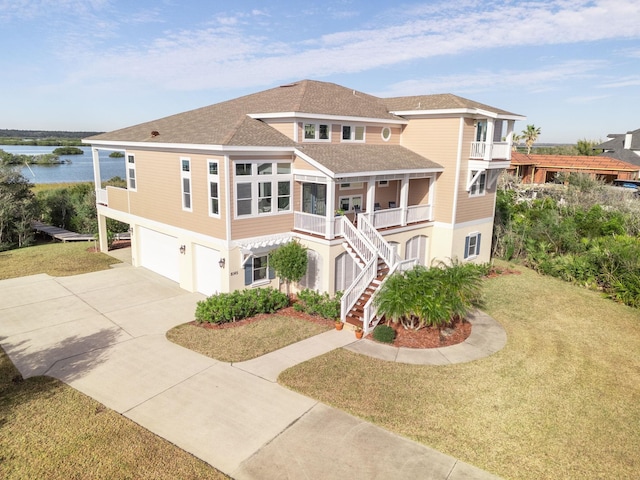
x=248, y=272
x=478, y=245
x=466, y=247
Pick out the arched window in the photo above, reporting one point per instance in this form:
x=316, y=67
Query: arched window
x=416, y=247
x=313, y=278
x=346, y=271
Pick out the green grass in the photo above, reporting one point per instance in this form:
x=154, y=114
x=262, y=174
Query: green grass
x=248, y=341
x=56, y=259
x=41, y=187
x=49, y=430
x=559, y=401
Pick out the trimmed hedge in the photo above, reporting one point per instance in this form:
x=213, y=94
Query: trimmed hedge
x=384, y=334
x=234, y=306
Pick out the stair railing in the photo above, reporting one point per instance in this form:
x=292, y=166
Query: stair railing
x=351, y=295
x=365, y=250
x=383, y=248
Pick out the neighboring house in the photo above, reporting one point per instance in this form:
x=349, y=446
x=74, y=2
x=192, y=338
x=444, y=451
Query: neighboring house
x=544, y=168
x=622, y=146
x=212, y=191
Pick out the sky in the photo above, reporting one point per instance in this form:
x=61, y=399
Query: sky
x=572, y=67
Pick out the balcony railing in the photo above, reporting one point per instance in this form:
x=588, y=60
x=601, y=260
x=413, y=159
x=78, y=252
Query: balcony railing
x=101, y=196
x=490, y=151
x=418, y=213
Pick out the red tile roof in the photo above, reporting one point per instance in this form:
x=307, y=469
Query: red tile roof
x=580, y=162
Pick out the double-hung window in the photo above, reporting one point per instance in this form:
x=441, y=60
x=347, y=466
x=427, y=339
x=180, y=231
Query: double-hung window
x=214, y=193
x=185, y=175
x=472, y=246
x=262, y=188
x=317, y=132
x=478, y=187
x=257, y=271
x=131, y=171
x=351, y=133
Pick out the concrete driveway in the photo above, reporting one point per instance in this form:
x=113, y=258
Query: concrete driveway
x=103, y=333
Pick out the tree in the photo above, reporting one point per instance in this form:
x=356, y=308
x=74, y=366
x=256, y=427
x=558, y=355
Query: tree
x=585, y=147
x=516, y=139
x=17, y=209
x=289, y=261
x=530, y=135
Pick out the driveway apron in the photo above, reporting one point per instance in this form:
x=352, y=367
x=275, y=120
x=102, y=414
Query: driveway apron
x=103, y=333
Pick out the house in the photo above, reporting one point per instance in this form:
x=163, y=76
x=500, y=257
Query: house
x=623, y=146
x=210, y=192
x=534, y=168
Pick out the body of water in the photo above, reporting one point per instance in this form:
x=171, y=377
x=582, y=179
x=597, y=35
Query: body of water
x=79, y=170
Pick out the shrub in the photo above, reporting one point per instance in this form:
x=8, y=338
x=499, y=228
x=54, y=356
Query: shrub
x=384, y=334
x=234, y=306
x=314, y=303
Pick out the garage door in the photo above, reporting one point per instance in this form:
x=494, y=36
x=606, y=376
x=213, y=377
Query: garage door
x=207, y=270
x=159, y=253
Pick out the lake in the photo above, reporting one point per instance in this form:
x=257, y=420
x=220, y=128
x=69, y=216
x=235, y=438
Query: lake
x=79, y=170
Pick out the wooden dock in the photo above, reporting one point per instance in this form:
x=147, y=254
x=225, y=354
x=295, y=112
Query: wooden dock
x=62, y=234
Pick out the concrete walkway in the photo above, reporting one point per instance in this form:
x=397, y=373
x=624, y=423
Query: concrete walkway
x=103, y=333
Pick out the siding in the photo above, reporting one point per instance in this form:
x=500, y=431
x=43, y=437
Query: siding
x=286, y=128
x=384, y=195
x=117, y=198
x=159, y=195
x=419, y=191
x=374, y=135
x=437, y=140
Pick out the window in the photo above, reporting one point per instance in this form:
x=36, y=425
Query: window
x=350, y=204
x=263, y=189
x=185, y=173
x=257, y=271
x=214, y=194
x=352, y=133
x=383, y=183
x=317, y=131
x=351, y=186
x=472, y=246
x=478, y=187
x=416, y=247
x=386, y=134
x=131, y=172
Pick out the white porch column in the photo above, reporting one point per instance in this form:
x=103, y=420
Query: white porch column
x=510, y=125
x=371, y=197
x=404, y=198
x=102, y=233
x=95, y=155
x=488, y=151
x=331, y=208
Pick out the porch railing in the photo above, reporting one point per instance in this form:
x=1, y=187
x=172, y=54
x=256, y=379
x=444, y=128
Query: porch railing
x=357, y=241
x=390, y=217
x=490, y=151
x=308, y=222
x=101, y=196
x=418, y=213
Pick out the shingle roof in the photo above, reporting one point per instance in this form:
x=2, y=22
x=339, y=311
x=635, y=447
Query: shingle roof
x=444, y=101
x=581, y=162
x=615, y=147
x=355, y=158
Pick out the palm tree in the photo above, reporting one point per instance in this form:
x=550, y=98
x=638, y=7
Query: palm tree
x=530, y=135
x=515, y=141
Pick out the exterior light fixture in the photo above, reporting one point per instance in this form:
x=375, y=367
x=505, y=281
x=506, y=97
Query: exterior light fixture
x=183, y=248
x=222, y=262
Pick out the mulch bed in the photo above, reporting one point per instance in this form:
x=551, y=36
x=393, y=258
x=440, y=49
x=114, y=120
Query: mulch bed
x=430, y=337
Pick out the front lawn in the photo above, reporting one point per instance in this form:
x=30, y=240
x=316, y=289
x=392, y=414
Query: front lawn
x=56, y=259
x=248, y=339
x=51, y=431
x=559, y=401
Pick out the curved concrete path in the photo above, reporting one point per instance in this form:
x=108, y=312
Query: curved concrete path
x=103, y=333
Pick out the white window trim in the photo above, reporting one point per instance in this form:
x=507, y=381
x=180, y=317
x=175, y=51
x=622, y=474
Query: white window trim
x=353, y=133
x=350, y=198
x=186, y=175
x=132, y=166
x=351, y=186
x=254, y=179
x=476, y=185
x=213, y=178
x=385, y=129
x=316, y=132
x=476, y=249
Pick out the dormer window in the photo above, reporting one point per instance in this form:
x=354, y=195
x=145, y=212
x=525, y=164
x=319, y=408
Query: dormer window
x=351, y=133
x=317, y=132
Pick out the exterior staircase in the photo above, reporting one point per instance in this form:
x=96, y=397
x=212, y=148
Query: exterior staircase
x=356, y=316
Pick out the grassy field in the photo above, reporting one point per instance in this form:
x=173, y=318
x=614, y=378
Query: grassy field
x=247, y=341
x=56, y=259
x=51, y=431
x=561, y=400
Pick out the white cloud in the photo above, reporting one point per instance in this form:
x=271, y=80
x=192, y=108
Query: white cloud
x=621, y=82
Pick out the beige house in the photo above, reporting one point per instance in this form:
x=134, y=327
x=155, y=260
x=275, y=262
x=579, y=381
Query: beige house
x=370, y=185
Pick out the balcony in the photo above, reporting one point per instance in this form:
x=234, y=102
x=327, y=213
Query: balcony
x=490, y=151
x=387, y=218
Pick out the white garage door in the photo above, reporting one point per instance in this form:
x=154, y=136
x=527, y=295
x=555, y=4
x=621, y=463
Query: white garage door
x=207, y=270
x=159, y=253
